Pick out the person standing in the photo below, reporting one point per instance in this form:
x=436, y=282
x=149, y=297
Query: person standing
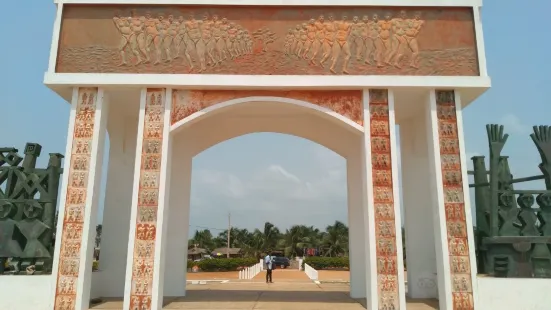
x=269, y=267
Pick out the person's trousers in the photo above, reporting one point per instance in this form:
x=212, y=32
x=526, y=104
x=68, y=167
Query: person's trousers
x=268, y=275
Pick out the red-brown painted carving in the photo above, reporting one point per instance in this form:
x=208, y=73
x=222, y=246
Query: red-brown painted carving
x=267, y=40
x=346, y=103
x=454, y=202
x=75, y=201
x=148, y=201
x=383, y=198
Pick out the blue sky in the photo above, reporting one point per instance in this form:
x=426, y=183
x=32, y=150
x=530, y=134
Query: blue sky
x=261, y=174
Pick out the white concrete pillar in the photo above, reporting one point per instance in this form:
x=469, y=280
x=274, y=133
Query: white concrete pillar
x=454, y=242
x=417, y=199
x=356, y=229
x=372, y=301
x=72, y=269
x=383, y=208
x=148, y=222
x=122, y=127
x=178, y=222
x=467, y=212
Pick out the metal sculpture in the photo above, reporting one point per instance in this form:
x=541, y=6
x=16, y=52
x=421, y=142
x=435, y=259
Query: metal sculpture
x=513, y=237
x=28, y=197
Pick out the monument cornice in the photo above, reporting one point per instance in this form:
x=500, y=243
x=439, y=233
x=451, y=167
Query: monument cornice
x=400, y=3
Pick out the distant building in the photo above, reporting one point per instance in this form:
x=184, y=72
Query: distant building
x=196, y=253
x=222, y=252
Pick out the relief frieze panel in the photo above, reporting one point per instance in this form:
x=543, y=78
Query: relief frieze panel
x=256, y=40
x=347, y=103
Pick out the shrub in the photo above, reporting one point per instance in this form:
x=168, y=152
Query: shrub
x=322, y=263
x=95, y=265
x=223, y=264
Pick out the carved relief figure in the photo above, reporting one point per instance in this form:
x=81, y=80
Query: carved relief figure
x=330, y=30
x=384, y=46
x=343, y=28
x=152, y=37
x=137, y=38
x=413, y=28
x=398, y=40
x=346, y=103
x=320, y=36
x=123, y=26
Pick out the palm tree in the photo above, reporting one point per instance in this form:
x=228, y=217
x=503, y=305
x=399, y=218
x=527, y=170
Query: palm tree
x=296, y=239
x=335, y=240
x=202, y=239
x=270, y=237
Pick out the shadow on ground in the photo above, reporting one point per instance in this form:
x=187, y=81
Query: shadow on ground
x=282, y=296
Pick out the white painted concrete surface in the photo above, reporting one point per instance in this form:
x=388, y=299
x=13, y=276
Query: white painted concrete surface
x=26, y=292
x=513, y=294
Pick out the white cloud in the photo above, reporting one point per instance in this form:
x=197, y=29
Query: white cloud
x=513, y=124
x=313, y=193
x=273, y=181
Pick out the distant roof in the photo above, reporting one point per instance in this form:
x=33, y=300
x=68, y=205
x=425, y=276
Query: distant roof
x=224, y=251
x=195, y=251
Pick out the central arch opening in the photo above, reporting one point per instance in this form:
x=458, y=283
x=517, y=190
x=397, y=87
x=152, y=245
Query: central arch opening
x=295, y=192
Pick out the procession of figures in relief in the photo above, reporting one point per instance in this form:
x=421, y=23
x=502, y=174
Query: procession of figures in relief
x=326, y=41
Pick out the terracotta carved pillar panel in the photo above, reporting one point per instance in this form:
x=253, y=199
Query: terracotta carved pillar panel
x=454, y=202
x=150, y=174
x=390, y=276
x=74, y=259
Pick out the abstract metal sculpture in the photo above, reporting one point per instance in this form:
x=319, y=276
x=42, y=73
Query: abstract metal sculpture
x=28, y=198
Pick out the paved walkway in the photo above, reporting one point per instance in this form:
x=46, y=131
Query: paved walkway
x=262, y=296
x=283, y=275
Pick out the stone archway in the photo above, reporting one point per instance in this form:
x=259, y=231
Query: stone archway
x=319, y=121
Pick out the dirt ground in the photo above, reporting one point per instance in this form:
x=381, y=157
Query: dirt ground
x=334, y=275
x=339, y=276
x=227, y=275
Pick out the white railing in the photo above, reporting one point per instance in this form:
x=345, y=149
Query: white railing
x=311, y=272
x=250, y=272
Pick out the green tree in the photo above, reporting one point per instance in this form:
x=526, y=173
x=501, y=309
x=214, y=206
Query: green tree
x=202, y=239
x=335, y=241
x=296, y=239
